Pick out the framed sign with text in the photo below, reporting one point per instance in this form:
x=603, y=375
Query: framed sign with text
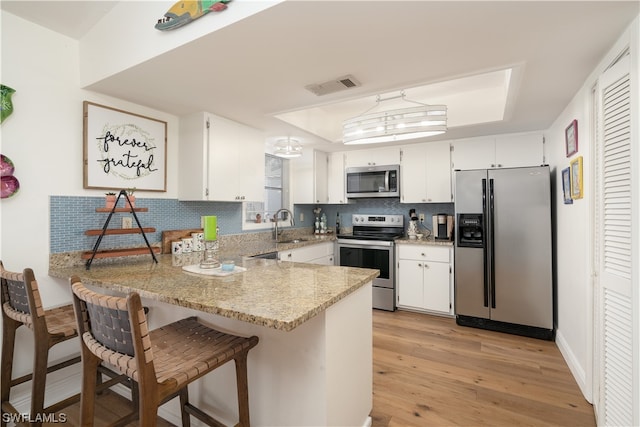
x=123, y=150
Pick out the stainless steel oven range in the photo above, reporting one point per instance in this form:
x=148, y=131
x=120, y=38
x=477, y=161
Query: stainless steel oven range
x=371, y=245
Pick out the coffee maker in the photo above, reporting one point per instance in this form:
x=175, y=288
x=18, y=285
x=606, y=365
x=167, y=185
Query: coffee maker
x=412, y=229
x=442, y=226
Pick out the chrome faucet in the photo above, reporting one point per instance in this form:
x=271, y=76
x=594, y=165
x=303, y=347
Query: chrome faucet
x=276, y=233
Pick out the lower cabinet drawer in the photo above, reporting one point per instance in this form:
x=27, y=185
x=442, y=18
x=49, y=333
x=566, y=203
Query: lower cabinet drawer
x=424, y=252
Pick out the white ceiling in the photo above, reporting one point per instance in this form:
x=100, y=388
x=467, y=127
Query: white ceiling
x=258, y=68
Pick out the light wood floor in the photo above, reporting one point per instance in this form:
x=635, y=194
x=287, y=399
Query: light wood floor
x=110, y=407
x=428, y=371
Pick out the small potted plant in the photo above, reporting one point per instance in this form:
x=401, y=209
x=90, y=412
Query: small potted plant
x=110, y=200
x=130, y=198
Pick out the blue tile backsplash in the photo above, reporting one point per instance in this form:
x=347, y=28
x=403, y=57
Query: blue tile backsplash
x=70, y=216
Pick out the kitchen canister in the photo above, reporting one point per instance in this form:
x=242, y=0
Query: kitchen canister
x=176, y=247
x=198, y=241
x=187, y=245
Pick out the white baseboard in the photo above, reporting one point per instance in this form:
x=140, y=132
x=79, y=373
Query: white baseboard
x=574, y=366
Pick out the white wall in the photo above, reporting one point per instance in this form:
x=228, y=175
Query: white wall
x=574, y=230
x=43, y=137
x=119, y=41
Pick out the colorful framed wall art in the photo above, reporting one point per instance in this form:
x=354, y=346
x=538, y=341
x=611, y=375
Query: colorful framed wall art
x=571, y=138
x=577, y=191
x=566, y=186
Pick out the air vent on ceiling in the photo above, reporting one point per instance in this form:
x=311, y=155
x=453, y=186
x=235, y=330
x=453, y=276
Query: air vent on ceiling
x=335, y=85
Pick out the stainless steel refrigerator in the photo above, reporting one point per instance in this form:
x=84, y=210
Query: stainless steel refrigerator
x=503, y=250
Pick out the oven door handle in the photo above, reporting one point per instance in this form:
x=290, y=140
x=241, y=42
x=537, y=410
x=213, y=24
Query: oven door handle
x=352, y=243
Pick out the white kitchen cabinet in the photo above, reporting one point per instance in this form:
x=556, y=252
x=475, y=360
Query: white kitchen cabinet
x=502, y=151
x=424, y=275
x=220, y=160
x=426, y=173
x=519, y=150
x=373, y=157
x=309, y=172
x=335, y=180
x=320, y=253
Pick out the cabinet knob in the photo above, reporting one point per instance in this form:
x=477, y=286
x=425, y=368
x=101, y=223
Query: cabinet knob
x=499, y=165
x=493, y=165
x=419, y=265
x=426, y=266
x=289, y=256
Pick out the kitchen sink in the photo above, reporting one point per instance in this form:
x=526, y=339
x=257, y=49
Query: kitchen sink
x=268, y=255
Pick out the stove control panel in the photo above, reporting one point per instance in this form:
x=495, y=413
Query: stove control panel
x=378, y=220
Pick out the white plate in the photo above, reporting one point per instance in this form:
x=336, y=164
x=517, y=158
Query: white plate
x=212, y=271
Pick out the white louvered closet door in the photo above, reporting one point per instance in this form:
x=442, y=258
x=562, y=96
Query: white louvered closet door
x=616, y=335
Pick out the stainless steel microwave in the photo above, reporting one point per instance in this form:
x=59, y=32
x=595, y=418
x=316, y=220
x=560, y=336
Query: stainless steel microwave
x=372, y=181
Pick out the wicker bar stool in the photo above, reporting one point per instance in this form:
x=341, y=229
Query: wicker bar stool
x=162, y=362
x=21, y=305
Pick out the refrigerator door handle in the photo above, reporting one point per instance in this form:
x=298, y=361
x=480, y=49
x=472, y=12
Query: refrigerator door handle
x=484, y=244
x=491, y=236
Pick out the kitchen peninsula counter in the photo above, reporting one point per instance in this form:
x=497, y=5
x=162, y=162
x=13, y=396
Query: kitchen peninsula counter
x=279, y=295
x=313, y=364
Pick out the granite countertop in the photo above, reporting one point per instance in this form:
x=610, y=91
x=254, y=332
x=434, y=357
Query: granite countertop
x=259, y=247
x=276, y=294
x=424, y=241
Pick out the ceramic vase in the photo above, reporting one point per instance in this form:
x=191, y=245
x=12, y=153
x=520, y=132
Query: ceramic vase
x=110, y=201
x=131, y=199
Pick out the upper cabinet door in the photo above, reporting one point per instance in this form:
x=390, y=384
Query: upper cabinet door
x=438, y=170
x=501, y=151
x=413, y=174
x=321, y=176
x=309, y=173
x=519, y=150
x=475, y=153
x=335, y=179
x=373, y=157
x=220, y=160
x=426, y=173
x=250, y=164
x=193, y=157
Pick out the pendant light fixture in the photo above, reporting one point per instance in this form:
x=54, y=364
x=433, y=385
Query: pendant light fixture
x=395, y=125
x=287, y=148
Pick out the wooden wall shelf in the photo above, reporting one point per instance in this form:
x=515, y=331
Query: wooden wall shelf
x=135, y=230
x=122, y=210
x=104, y=231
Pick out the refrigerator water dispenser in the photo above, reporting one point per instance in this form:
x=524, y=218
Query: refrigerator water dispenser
x=470, y=231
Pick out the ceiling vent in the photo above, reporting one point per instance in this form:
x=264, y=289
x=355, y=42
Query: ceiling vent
x=335, y=85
